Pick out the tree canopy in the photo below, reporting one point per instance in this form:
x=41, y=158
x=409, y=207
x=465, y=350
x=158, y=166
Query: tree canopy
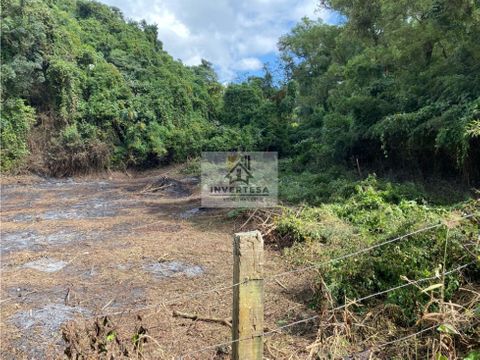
x=396, y=85
x=104, y=88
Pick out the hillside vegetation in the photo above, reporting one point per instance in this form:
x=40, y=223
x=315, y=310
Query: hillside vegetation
x=395, y=87
x=86, y=89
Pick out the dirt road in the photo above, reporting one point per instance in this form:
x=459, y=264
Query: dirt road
x=76, y=248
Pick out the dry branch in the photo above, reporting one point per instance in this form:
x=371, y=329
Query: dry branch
x=226, y=322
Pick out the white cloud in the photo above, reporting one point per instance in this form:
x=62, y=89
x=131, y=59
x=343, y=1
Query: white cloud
x=248, y=64
x=231, y=34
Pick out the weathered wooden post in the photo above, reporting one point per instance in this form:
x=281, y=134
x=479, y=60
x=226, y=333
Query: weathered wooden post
x=247, y=317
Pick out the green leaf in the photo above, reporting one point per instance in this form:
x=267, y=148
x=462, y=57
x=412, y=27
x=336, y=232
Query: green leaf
x=111, y=336
x=447, y=329
x=474, y=355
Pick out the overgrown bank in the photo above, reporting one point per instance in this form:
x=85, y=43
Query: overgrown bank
x=84, y=89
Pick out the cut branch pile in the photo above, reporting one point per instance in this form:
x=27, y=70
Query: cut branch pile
x=262, y=220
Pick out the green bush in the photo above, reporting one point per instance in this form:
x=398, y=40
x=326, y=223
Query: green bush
x=373, y=213
x=297, y=185
x=65, y=81
x=15, y=122
x=77, y=149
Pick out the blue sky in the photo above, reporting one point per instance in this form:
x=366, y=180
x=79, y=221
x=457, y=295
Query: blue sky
x=237, y=36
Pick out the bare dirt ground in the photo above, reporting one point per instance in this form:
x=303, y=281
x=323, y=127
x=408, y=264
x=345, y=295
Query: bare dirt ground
x=74, y=250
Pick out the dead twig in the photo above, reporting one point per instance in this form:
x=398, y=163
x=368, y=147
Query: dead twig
x=248, y=220
x=281, y=285
x=226, y=322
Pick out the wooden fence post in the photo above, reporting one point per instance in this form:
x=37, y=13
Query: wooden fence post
x=247, y=317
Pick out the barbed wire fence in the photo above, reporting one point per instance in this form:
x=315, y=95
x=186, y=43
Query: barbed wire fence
x=222, y=287
x=272, y=277
x=356, y=301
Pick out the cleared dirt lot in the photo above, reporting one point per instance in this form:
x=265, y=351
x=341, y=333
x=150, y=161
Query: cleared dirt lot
x=132, y=249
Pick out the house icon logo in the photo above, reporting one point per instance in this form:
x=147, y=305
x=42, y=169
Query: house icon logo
x=239, y=170
x=239, y=179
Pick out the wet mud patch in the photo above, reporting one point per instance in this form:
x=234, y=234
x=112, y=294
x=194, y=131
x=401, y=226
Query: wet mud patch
x=168, y=269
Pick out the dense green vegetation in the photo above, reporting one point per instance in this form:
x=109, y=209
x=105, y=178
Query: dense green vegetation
x=395, y=87
x=369, y=212
x=102, y=90
x=394, y=90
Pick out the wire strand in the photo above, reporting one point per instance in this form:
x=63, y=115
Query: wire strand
x=364, y=250
x=404, y=285
x=277, y=330
x=406, y=337
x=224, y=286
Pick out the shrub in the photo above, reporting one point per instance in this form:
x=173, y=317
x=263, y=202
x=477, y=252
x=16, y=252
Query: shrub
x=373, y=213
x=65, y=86
x=312, y=186
x=77, y=150
x=16, y=120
